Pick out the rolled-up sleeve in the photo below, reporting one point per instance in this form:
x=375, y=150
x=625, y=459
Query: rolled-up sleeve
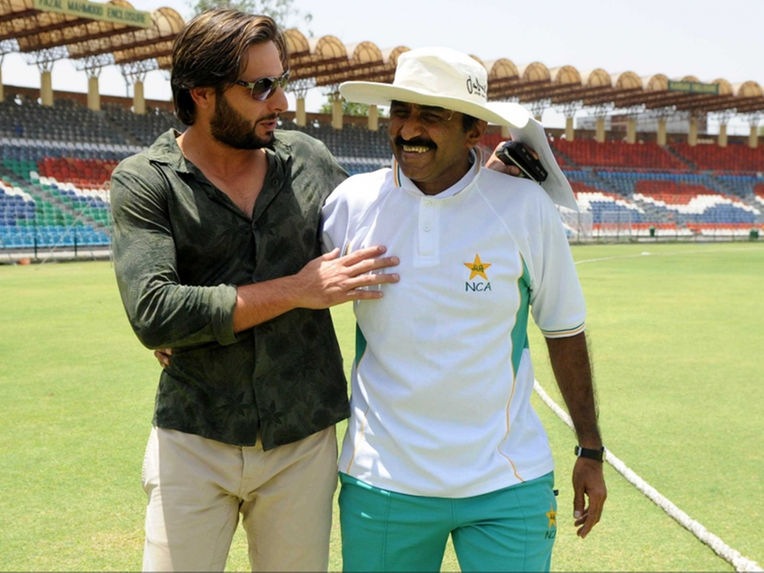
x=162, y=311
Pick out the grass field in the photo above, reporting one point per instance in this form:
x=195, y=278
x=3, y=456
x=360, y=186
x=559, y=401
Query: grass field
x=676, y=337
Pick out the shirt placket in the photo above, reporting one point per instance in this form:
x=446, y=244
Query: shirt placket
x=428, y=232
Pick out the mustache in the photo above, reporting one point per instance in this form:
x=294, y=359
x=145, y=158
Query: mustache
x=417, y=141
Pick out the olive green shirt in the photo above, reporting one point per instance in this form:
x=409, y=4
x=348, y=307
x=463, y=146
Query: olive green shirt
x=181, y=247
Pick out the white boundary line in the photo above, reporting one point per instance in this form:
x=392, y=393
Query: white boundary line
x=740, y=562
x=647, y=253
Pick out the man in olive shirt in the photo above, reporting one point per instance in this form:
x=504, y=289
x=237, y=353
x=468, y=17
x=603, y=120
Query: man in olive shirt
x=217, y=256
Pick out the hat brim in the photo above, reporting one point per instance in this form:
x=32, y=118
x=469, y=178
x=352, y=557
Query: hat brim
x=522, y=126
x=374, y=93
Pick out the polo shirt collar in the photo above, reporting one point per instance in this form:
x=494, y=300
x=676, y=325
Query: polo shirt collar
x=404, y=182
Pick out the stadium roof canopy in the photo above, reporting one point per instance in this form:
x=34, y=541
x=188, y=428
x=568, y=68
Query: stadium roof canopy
x=94, y=35
x=326, y=61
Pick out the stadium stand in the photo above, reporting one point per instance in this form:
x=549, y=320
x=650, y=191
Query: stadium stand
x=140, y=129
x=618, y=154
x=55, y=164
x=357, y=149
x=734, y=158
x=677, y=190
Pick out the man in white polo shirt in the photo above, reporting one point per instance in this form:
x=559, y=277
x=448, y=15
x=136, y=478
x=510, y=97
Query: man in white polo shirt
x=442, y=438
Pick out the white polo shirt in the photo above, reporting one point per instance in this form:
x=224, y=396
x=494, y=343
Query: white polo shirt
x=442, y=379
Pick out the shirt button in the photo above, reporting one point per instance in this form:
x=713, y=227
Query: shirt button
x=427, y=228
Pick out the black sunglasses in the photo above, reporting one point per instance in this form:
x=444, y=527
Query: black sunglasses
x=263, y=88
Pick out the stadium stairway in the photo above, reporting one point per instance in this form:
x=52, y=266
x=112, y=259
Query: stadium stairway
x=682, y=159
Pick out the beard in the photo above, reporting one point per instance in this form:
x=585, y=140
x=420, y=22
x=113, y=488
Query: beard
x=228, y=126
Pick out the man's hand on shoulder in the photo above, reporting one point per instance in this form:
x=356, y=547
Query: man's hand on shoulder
x=497, y=164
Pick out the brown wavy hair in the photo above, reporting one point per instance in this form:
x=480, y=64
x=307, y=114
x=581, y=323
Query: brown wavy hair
x=210, y=52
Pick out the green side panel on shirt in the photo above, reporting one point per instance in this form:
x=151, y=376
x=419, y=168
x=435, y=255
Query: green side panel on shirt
x=360, y=344
x=520, y=330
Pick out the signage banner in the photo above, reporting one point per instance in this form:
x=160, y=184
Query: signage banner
x=693, y=87
x=105, y=12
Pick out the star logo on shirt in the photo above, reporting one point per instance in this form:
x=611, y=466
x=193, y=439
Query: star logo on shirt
x=477, y=267
x=552, y=516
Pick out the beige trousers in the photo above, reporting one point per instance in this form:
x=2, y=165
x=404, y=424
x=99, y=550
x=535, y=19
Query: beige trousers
x=197, y=488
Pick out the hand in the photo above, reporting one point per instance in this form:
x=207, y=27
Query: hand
x=588, y=481
x=163, y=356
x=498, y=165
x=330, y=279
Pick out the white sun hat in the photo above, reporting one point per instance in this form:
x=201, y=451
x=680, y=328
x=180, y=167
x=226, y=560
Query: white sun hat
x=453, y=80
x=439, y=77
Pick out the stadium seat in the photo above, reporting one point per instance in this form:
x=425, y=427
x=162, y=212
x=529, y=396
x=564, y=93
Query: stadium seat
x=55, y=165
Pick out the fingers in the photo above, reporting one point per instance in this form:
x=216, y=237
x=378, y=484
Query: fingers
x=580, y=513
x=369, y=269
x=588, y=484
x=364, y=265
x=528, y=147
x=591, y=515
x=579, y=506
x=497, y=164
x=368, y=285
x=372, y=282
x=363, y=260
x=361, y=254
x=163, y=356
x=588, y=518
x=333, y=279
x=331, y=255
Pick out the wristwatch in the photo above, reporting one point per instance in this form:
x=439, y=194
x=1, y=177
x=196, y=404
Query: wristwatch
x=598, y=455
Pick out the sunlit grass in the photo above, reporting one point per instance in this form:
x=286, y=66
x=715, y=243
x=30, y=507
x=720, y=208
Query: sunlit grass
x=676, y=339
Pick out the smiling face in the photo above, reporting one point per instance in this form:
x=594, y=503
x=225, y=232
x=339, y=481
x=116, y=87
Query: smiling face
x=241, y=121
x=431, y=144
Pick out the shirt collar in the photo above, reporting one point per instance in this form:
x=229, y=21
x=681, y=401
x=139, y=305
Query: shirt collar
x=476, y=158
x=166, y=150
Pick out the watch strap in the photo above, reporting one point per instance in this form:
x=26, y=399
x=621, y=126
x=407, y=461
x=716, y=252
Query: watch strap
x=597, y=455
